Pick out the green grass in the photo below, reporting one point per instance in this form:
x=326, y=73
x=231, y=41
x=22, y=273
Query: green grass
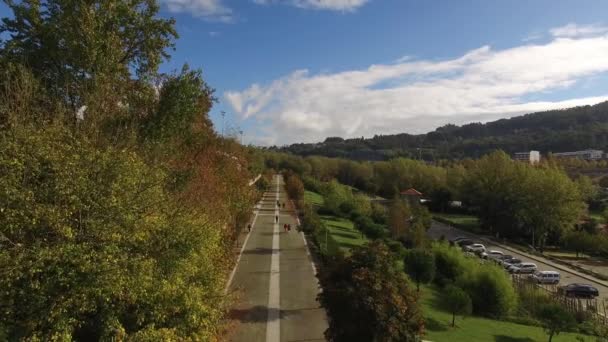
x=343, y=232
x=467, y=222
x=439, y=329
x=313, y=198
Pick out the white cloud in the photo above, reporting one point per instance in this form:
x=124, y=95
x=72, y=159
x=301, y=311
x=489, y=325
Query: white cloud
x=418, y=95
x=213, y=10
x=334, y=5
x=573, y=30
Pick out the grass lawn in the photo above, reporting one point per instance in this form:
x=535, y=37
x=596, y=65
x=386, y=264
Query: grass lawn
x=438, y=327
x=468, y=222
x=313, y=198
x=344, y=232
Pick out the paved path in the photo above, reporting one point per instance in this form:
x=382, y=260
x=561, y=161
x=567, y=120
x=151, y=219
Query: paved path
x=568, y=275
x=275, y=280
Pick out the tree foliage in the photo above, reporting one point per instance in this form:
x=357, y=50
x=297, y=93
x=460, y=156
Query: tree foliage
x=456, y=301
x=419, y=264
x=368, y=299
x=555, y=319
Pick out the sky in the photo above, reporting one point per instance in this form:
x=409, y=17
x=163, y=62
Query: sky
x=290, y=71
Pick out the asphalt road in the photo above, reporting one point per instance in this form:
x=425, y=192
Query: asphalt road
x=439, y=229
x=275, y=280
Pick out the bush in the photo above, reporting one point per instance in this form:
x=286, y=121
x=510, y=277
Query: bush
x=369, y=228
x=555, y=319
x=491, y=291
x=450, y=263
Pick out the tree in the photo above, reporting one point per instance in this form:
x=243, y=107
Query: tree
x=72, y=45
x=455, y=301
x=399, y=216
x=368, y=299
x=555, y=319
x=420, y=266
x=295, y=188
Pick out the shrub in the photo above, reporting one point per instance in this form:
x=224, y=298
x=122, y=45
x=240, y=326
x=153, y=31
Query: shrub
x=491, y=291
x=450, y=263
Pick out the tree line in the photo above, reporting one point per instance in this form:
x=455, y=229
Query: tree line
x=563, y=130
x=119, y=202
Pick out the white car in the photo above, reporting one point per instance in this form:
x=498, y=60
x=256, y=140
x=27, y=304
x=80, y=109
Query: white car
x=475, y=248
x=510, y=262
x=546, y=277
x=491, y=254
x=523, y=268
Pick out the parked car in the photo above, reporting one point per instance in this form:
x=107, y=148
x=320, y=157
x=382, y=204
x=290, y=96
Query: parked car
x=465, y=242
x=546, y=277
x=455, y=240
x=523, y=268
x=491, y=254
x=499, y=258
x=475, y=248
x=578, y=290
x=510, y=262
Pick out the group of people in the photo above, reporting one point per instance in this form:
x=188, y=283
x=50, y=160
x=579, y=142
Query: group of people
x=279, y=204
x=287, y=227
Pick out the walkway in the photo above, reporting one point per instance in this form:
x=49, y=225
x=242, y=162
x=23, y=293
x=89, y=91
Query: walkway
x=275, y=279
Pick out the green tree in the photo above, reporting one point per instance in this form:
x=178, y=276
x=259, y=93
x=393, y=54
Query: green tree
x=419, y=264
x=368, y=299
x=80, y=48
x=490, y=289
x=399, y=216
x=455, y=301
x=555, y=319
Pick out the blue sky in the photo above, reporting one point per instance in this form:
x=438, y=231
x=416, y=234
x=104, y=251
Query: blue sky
x=300, y=70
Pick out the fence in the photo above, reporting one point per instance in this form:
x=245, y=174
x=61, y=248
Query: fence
x=581, y=308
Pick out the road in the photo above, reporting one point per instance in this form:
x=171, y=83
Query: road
x=567, y=277
x=275, y=280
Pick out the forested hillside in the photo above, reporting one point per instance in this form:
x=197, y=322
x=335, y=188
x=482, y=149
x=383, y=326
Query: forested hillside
x=551, y=131
x=118, y=201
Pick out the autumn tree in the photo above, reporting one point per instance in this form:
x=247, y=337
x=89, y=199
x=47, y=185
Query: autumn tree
x=368, y=299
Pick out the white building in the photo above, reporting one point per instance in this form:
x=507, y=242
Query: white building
x=586, y=154
x=531, y=157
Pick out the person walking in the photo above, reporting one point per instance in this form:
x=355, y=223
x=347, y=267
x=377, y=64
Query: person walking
x=249, y=228
x=285, y=227
x=289, y=227
x=283, y=205
x=276, y=218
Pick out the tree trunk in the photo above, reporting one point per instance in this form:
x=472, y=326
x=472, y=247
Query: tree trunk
x=454, y=320
x=417, y=286
x=550, y=336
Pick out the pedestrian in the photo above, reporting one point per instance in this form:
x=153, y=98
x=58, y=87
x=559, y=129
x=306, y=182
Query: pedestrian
x=278, y=204
x=249, y=228
x=289, y=227
x=276, y=218
x=283, y=205
x=285, y=227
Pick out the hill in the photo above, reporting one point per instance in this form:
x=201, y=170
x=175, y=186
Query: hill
x=561, y=130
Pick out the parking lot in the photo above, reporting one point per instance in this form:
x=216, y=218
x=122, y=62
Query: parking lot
x=567, y=277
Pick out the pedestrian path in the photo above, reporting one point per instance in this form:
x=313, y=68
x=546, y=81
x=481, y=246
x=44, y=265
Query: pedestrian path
x=275, y=279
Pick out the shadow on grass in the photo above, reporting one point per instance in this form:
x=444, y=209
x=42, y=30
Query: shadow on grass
x=435, y=325
x=347, y=235
x=504, y=338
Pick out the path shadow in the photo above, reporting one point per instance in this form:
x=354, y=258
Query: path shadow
x=435, y=325
x=259, y=251
x=504, y=338
x=258, y=314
